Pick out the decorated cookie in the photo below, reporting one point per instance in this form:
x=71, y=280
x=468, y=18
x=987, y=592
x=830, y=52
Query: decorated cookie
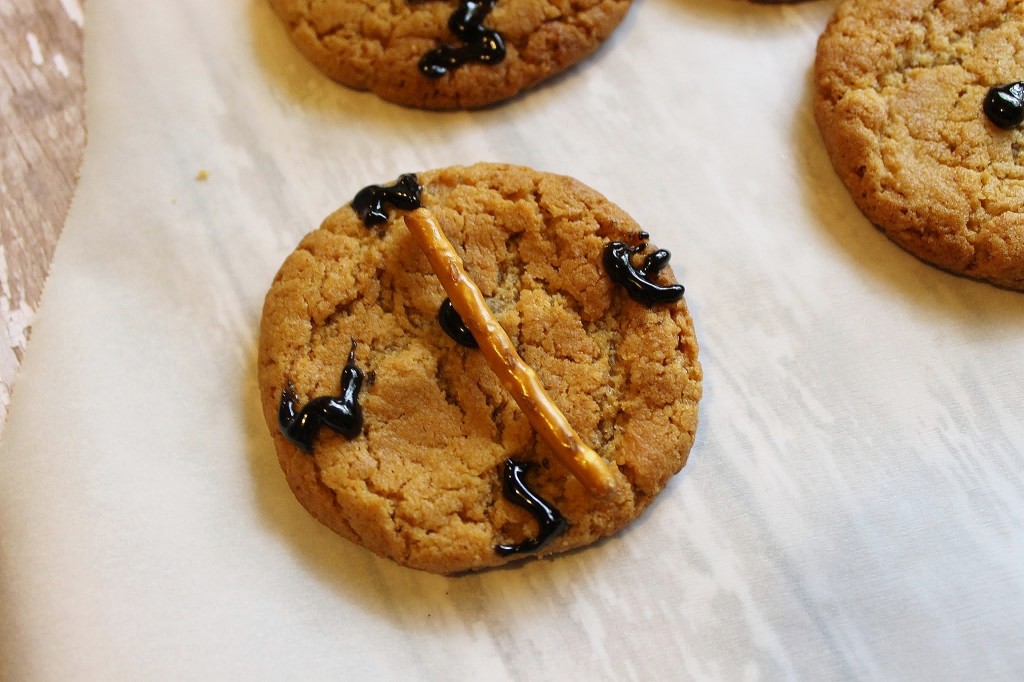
x=447, y=54
x=468, y=366
x=903, y=90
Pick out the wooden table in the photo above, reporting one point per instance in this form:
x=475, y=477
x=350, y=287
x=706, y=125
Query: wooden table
x=42, y=136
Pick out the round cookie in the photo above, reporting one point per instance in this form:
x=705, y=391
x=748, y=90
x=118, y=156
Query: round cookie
x=900, y=92
x=423, y=478
x=389, y=47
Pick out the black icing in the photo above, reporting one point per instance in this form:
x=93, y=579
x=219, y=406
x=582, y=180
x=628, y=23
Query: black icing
x=453, y=325
x=340, y=413
x=369, y=202
x=639, y=281
x=551, y=523
x=1004, y=105
x=481, y=44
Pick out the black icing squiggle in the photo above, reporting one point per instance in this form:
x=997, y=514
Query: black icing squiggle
x=340, y=413
x=369, y=202
x=481, y=44
x=551, y=522
x=453, y=326
x=639, y=281
x=1004, y=105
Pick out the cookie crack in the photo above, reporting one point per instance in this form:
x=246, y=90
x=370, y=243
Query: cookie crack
x=445, y=384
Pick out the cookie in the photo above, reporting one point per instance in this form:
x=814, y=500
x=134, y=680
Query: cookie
x=390, y=425
x=901, y=87
x=443, y=54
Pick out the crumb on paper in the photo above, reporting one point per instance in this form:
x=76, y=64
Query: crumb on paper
x=203, y=175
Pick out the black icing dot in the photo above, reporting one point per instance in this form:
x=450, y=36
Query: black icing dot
x=453, y=325
x=1004, y=105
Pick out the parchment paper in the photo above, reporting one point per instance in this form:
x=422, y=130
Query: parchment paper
x=853, y=504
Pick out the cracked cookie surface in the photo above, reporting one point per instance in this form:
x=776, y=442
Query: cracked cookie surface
x=900, y=87
x=377, y=46
x=422, y=484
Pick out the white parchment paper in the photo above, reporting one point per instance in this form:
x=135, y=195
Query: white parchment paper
x=854, y=504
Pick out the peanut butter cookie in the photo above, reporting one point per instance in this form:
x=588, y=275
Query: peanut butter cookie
x=390, y=425
x=443, y=54
x=901, y=90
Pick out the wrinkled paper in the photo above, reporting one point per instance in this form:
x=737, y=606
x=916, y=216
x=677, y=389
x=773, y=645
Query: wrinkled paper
x=853, y=506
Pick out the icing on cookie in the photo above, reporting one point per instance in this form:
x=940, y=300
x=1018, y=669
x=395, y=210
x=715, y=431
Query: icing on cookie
x=340, y=413
x=432, y=416
x=639, y=281
x=369, y=201
x=500, y=354
x=551, y=523
x=453, y=325
x=1004, y=105
x=481, y=44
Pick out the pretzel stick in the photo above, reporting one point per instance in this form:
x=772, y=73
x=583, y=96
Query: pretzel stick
x=516, y=376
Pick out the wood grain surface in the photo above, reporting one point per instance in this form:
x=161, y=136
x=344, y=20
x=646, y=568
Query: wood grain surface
x=42, y=136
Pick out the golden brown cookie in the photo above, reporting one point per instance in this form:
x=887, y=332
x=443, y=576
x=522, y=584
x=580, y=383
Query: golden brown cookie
x=447, y=54
x=900, y=92
x=397, y=436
